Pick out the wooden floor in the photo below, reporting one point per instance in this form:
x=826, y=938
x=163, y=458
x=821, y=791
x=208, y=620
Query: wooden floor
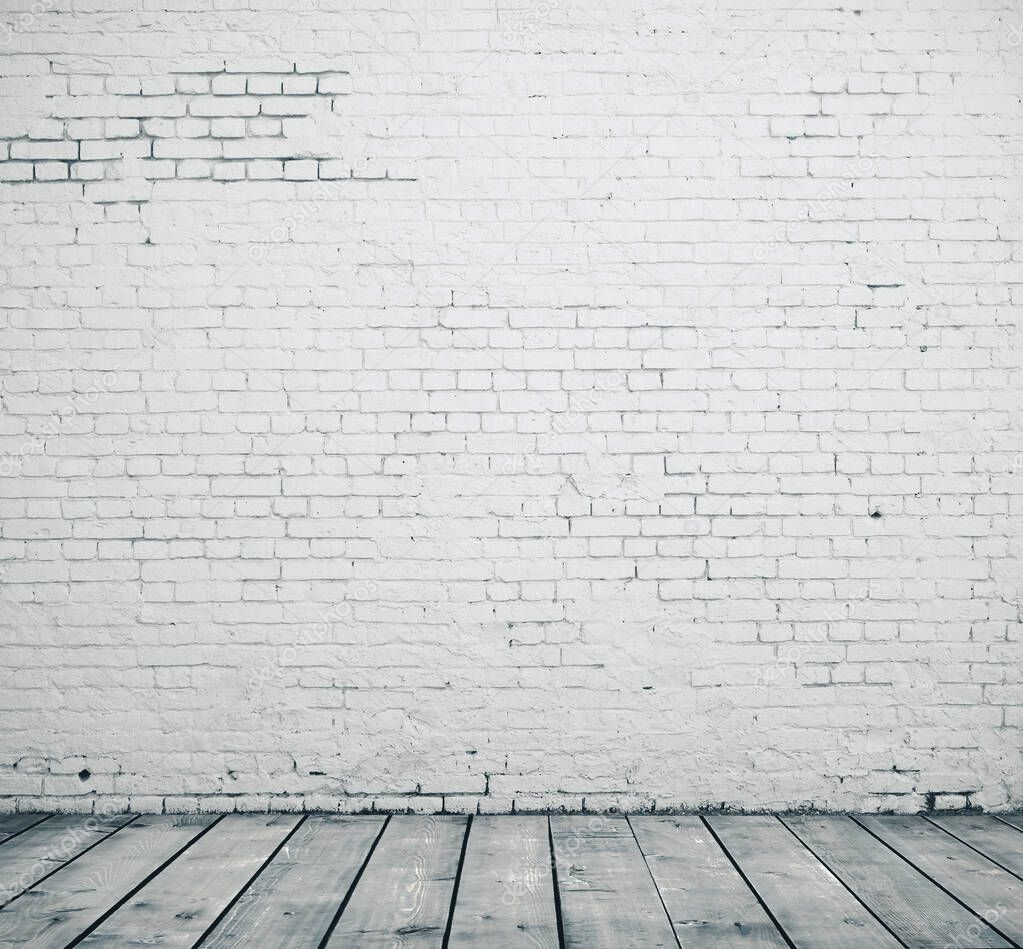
x=585, y=881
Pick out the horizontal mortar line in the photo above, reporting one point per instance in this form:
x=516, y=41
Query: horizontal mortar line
x=252, y=72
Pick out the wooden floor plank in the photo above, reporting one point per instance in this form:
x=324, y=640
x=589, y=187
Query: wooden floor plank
x=1015, y=820
x=910, y=905
x=608, y=898
x=1003, y=844
x=302, y=888
x=185, y=899
x=404, y=895
x=988, y=890
x=506, y=890
x=67, y=903
x=13, y=824
x=709, y=904
x=813, y=908
x=663, y=882
x=46, y=847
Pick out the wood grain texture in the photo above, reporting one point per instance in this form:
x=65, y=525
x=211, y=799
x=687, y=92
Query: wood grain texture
x=998, y=841
x=506, y=891
x=404, y=896
x=988, y=890
x=917, y=911
x=709, y=904
x=12, y=824
x=45, y=848
x=608, y=898
x=661, y=882
x=67, y=903
x=1013, y=820
x=180, y=904
x=302, y=887
x=813, y=908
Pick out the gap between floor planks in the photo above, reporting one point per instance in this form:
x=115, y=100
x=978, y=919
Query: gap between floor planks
x=504, y=881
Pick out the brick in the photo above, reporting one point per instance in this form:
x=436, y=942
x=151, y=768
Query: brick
x=44, y=150
x=87, y=170
x=227, y=128
x=334, y=168
x=194, y=168
x=263, y=126
x=264, y=169
x=214, y=106
x=193, y=85
x=16, y=171
x=264, y=85
x=149, y=106
x=157, y=85
x=340, y=84
x=228, y=85
x=118, y=128
x=286, y=105
x=299, y=85
x=304, y=170
x=114, y=148
x=51, y=170
x=118, y=191
x=862, y=83
x=229, y=171
x=156, y=169
x=187, y=148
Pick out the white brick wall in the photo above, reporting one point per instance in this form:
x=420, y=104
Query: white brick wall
x=477, y=405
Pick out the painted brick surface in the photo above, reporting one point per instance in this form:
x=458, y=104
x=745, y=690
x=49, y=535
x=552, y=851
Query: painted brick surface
x=490, y=406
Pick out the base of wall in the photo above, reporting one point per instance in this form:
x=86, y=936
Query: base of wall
x=473, y=804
